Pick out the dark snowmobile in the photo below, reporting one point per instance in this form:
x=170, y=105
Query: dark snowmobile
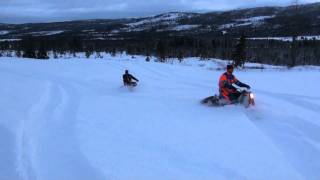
x=246, y=98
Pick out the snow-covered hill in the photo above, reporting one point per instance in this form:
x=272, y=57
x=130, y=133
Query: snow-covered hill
x=73, y=119
x=256, y=22
x=162, y=22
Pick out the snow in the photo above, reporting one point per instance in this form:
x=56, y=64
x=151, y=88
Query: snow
x=4, y=32
x=116, y=31
x=45, y=33
x=226, y=26
x=298, y=38
x=255, y=21
x=73, y=119
x=88, y=30
x=169, y=19
x=232, y=25
x=185, y=27
x=151, y=20
x=1, y=40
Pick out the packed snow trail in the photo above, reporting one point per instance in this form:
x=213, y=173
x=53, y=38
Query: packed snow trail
x=73, y=119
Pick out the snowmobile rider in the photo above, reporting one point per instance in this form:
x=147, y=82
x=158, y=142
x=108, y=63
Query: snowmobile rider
x=227, y=91
x=128, y=79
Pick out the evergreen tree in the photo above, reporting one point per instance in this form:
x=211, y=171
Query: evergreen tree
x=88, y=53
x=42, y=52
x=113, y=52
x=293, y=52
x=28, y=48
x=148, y=59
x=161, y=52
x=239, y=55
x=18, y=53
x=55, y=54
x=180, y=56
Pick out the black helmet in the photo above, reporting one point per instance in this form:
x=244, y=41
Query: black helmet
x=127, y=71
x=229, y=66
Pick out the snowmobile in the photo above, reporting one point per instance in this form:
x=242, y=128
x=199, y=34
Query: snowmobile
x=246, y=98
x=130, y=86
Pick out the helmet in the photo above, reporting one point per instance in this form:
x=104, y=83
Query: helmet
x=229, y=66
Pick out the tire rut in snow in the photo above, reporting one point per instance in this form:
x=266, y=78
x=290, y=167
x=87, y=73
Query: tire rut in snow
x=8, y=156
x=52, y=148
x=68, y=160
x=27, y=139
x=296, y=138
x=296, y=100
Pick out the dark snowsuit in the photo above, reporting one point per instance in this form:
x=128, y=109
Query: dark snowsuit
x=127, y=80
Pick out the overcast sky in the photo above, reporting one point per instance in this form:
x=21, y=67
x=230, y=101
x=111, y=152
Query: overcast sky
x=22, y=11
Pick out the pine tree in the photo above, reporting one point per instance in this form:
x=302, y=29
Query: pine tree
x=42, y=53
x=88, y=53
x=148, y=59
x=28, y=48
x=239, y=55
x=180, y=56
x=293, y=52
x=161, y=52
x=55, y=54
x=113, y=52
x=18, y=53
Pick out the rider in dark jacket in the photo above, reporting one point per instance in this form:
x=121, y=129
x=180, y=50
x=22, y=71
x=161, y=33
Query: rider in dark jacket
x=128, y=79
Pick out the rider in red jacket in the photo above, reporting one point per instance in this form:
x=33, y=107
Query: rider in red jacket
x=227, y=91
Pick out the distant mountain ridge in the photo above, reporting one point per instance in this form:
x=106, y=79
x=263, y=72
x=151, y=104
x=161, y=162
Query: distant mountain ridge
x=254, y=22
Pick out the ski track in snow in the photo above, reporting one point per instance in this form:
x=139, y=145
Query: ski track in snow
x=80, y=128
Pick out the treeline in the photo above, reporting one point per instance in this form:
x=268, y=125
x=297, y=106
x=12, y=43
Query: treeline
x=239, y=49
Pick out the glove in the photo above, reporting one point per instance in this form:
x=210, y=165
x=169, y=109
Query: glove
x=241, y=89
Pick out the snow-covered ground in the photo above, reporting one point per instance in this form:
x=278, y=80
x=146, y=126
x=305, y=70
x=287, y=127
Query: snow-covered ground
x=185, y=27
x=73, y=119
x=167, y=18
x=45, y=33
x=290, y=39
x=255, y=21
x=2, y=40
x=4, y=32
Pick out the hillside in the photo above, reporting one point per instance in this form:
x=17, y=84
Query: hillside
x=257, y=22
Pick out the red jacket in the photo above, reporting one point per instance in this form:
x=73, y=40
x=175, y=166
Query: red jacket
x=225, y=85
